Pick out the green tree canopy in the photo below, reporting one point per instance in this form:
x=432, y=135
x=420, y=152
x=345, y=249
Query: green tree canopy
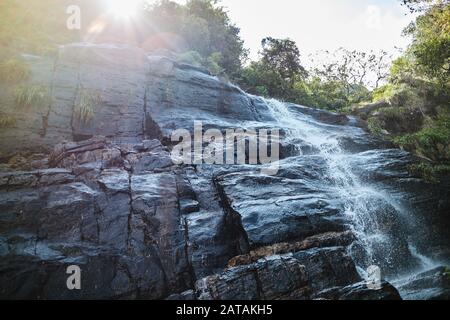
x=202, y=26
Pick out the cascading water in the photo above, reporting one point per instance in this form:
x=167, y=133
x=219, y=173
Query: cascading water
x=378, y=219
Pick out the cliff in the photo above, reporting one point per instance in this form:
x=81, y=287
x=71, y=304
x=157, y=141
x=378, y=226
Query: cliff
x=97, y=188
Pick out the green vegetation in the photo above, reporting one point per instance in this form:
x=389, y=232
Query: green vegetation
x=431, y=45
x=211, y=63
x=203, y=30
x=447, y=272
x=429, y=172
x=31, y=96
x=375, y=126
x=432, y=142
x=86, y=103
x=33, y=26
x=336, y=83
x=417, y=117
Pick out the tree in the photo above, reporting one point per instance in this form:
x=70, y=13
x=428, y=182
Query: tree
x=202, y=26
x=431, y=42
x=277, y=72
x=352, y=68
x=283, y=57
x=421, y=5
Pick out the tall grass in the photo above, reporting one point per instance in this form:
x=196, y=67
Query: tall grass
x=28, y=96
x=86, y=104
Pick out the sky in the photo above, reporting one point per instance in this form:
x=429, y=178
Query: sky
x=321, y=24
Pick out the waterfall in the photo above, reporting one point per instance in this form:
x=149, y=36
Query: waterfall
x=378, y=220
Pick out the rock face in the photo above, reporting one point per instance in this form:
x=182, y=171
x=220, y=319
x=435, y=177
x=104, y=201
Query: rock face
x=106, y=196
x=433, y=284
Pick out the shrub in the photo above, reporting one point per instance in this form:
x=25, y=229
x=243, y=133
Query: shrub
x=375, y=126
x=14, y=71
x=432, y=142
x=213, y=64
x=191, y=57
x=429, y=172
x=26, y=96
x=383, y=93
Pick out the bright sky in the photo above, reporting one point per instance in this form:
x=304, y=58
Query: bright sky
x=321, y=24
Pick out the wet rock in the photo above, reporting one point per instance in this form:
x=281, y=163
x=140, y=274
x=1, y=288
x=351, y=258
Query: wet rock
x=115, y=180
x=189, y=206
x=320, y=115
x=187, y=295
x=277, y=277
x=149, y=161
x=55, y=176
x=433, y=284
x=155, y=206
x=19, y=179
x=328, y=267
x=288, y=207
x=360, y=291
x=214, y=234
x=330, y=239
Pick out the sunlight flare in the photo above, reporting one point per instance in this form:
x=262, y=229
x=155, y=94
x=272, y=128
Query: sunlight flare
x=124, y=9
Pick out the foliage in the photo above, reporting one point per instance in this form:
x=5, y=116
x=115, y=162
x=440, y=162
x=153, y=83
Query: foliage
x=420, y=5
x=339, y=81
x=375, y=126
x=418, y=92
x=202, y=26
x=27, y=96
x=429, y=172
x=33, y=26
x=211, y=63
x=282, y=56
x=432, y=142
x=431, y=43
x=13, y=71
x=352, y=67
x=447, y=272
x=85, y=106
x=384, y=92
x=258, y=78
x=191, y=57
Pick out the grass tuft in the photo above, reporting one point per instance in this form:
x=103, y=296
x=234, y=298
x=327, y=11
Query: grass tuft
x=86, y=104
x=27, y=96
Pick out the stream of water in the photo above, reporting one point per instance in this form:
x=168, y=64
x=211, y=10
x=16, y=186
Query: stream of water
x=380, y=222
